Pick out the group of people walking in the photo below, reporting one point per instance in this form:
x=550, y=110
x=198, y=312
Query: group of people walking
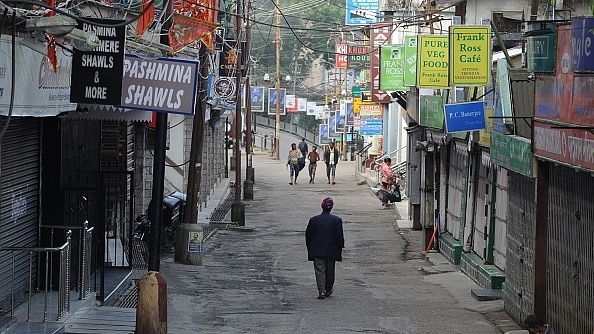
x=297, y=159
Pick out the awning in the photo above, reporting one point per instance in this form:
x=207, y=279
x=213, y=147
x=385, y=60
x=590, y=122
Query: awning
x=109, y=113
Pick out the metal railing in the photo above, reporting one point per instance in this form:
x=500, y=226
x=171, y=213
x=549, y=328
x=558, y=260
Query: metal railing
x=63, y=305
x=378, y=161
x=84, y=238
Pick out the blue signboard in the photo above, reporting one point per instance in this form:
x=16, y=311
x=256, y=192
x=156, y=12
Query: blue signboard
x=467, y=116
x=581, y=41
x=362, y=12
x=370, y=127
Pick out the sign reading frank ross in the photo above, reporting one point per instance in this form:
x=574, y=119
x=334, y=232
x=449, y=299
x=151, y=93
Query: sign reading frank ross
x=97, y=74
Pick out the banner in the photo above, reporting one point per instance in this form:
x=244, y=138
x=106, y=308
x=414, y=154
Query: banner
x=341, y=58
x=350, y=114
x=39, y=90
x=311, y=108
x=257, y=97
x=272, y=101
x=291, y=103
x=192, y=21
x=302, y=104
x=470, y=55
x=432, y=65
x=323, y=135
x=392, y=68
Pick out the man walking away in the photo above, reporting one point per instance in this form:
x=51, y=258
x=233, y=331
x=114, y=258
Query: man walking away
x=303, y=147
x=331, y=157
x=324, y=239
x=313, y=158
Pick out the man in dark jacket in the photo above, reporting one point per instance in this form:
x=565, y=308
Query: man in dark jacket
x=325, y=240
x=331, y=157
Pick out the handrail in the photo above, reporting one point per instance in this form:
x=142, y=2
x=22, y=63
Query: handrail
x=84, y=250
x=63, y=306
x=364, y=149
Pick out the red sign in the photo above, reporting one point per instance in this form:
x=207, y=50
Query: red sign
x=379, y=35
x=571, y=146
x=341, y=59
x=564, y=97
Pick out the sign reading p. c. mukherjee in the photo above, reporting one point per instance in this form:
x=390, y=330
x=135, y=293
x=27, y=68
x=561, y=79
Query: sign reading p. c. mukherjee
x=161, y=84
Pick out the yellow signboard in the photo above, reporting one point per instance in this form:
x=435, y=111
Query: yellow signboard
x=356, y=105
x=485, y=135
x=370, y=109
x=432, y=61
x=470, y=55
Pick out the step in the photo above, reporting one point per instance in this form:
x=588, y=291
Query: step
x=488, y=276
x=450, y=248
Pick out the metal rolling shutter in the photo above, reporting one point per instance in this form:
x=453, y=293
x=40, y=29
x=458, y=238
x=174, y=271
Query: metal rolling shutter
x=500, y=218
x=570, y=255
x=19, y=202
x=456, y=186
x=518, y=290
x=482, y=206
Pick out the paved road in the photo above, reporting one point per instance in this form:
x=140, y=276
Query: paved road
x=260, y=281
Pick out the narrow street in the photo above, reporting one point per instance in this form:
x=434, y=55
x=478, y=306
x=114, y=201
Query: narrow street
x=258, y=280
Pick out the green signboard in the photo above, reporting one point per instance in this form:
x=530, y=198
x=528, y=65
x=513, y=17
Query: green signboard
x=410, y=61
x=392, y=68
x=431, y=111
x=356, y=91
x=512, y=152
x=541, y=45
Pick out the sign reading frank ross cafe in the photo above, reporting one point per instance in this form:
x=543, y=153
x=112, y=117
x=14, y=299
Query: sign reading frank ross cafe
x=470, y=55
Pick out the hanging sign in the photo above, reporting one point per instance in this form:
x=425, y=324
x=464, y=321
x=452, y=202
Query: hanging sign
x=470, y=55
x=466, y=116
x=392, y=68
x=432, y=64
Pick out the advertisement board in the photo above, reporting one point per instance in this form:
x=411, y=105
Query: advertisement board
x=431, y=111
x=570, y=146
x=161, y=84
x=379, y=35
x=465, y=116
x=470, y=55
x=362, y=12
x=410, y=60
x=432, y=61
x=512, y=152
x=583, y=44
x=392, y=68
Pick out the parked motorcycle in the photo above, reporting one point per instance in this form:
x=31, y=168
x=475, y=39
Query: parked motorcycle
x=173, y=206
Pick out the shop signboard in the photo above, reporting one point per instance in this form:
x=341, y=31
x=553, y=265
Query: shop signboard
x=569, y=146
x=370, y=126
x=470, y=55
x=432, y=63
x=97, y=74
x=392, y=68
x=410, y=60
x=379, y=35
x=431, y=111
x=466, y=116
x=540, y=47
x=512, y=152
x=582, y=40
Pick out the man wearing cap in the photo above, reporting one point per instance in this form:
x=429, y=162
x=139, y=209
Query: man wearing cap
x=324, y=239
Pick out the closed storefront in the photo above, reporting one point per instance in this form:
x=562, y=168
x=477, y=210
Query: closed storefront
x=20, y=153
x=481, y=208
x=456, y=193
x=518, y=290
x=570, y=255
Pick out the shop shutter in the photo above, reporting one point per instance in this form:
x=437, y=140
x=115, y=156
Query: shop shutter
x=20, y=149
x=518, y=290
x=482, y=206
x=456, y=187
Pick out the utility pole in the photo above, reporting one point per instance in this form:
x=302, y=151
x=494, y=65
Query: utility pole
x=238, y=208
x=277, y=101
x=190, y=224
x=248, y=188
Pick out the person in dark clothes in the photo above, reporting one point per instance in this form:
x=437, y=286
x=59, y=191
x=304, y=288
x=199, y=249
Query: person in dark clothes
x=536, y=325
x=324, y=239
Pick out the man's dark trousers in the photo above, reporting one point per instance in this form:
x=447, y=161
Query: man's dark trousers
x=324, y=269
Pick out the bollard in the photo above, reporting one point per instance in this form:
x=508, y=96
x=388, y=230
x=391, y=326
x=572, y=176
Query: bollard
x=248, y=189
x=151, y=310
x=188, y=246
